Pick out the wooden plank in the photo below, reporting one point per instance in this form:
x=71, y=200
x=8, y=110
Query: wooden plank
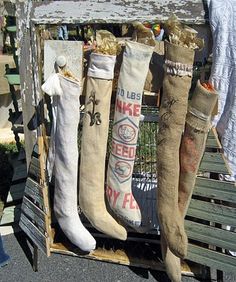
x=126, y=256
x=35, y=162
x=34, y=191
x=212, y=143
x=213, y=162
x=121, y=257
x=212, y=258
x=34, y=234
x=25, y=69
x=212, y=212
x=36, y=215
x=215, y=189
x=16, y=192
x=20, y=172
x=213, y=140
x=117, y=11
x=34, y=168
x=211, y=235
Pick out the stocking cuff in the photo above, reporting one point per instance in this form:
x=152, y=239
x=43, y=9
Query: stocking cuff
x=176, y=68
x=101, y=66
x=200, y=108
x=179, y=54
x=197, y=121
x=203, y=100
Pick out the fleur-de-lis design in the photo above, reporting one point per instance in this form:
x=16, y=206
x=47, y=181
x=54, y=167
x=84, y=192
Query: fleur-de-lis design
x=94, y=116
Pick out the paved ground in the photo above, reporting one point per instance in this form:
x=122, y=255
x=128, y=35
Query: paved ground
x=60, y=268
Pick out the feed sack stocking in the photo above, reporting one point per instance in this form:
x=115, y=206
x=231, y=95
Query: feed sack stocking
x=131, y=81
x=63, y=158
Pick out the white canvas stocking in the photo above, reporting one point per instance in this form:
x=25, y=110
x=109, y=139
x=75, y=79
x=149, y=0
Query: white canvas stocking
x=131, y=81
x=94, y=145
x=64, y=158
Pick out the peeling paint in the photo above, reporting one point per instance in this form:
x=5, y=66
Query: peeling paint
x=117, y=11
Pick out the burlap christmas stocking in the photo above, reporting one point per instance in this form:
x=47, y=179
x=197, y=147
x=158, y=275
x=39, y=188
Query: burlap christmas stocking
x=94, y=145
x=131, y=81
x=198, y=122
x=64, y=158
x=176, y=85
x=191, y=152
x=172, y=262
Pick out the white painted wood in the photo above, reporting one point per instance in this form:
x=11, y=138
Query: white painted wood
x=117, y=11
x=73, y=52
x=26, y=74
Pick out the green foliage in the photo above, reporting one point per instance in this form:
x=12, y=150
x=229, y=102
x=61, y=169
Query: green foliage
x=8, y=148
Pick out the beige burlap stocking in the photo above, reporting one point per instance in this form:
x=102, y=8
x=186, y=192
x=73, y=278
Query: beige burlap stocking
x=191, y=152
x=94, y=145
x=176, y=85
x=198, y=122
x=131, y=81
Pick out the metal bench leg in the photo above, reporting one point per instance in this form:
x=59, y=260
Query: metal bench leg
x=35, y=259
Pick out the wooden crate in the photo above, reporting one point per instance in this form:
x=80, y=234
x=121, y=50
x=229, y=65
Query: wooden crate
x=210, y=206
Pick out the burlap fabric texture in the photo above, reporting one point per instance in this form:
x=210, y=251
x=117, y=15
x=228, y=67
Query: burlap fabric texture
x=198, y=123
x=176, y=85
x=131, y=81
x=63, y=158
x=94, y=146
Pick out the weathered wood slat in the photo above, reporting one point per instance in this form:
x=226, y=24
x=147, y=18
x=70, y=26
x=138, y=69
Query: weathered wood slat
x=212, y=143
x=213, y=162
x=211, y=235
x=212, y=212
x=213, y=140
x=26, y=75
x=34, y=168
x=117, y=11
x=211, y=258
x=35, y=191
x=123, y=257
x=215, y=189
x=34, y=213
x=34, y=234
